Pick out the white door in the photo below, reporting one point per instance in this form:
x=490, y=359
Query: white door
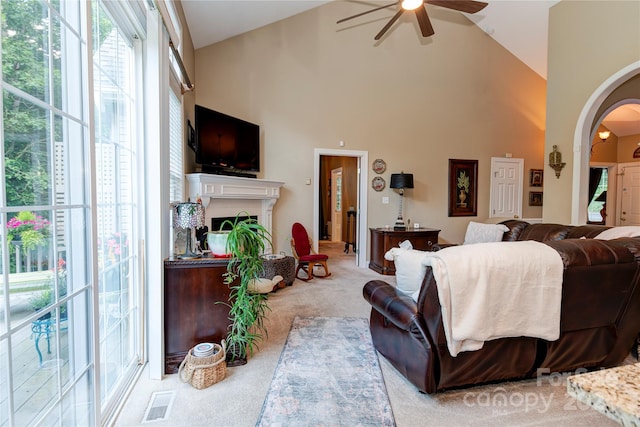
x=336, y=205
x=506, y=187
x=630, y=196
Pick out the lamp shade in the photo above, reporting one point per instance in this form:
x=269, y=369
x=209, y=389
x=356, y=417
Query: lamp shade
x=401, y=180
x=188, y=215
x=602, y=197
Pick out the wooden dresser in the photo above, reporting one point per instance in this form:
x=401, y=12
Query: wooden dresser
x=383, y=239
x=195, y=306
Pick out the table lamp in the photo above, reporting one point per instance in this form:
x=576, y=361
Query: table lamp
x=400, y=181
x=188, y=216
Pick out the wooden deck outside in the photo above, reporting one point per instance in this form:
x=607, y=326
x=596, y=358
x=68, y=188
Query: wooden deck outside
x=37, y=386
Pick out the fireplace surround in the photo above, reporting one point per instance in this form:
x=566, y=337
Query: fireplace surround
x=227, y=196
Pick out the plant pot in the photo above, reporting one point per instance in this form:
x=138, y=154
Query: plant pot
x=217, y=241
x=45, y=316
x=233, y=359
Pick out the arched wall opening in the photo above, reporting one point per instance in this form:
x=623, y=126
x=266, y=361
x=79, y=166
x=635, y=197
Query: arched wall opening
x=621, y=88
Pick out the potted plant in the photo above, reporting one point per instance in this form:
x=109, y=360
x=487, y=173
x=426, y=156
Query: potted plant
x=463, y=185
x=45, y=298
x=29, y=229
x=246, y=242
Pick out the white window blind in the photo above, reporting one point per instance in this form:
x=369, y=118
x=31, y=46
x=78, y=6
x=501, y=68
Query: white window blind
x=176, y=176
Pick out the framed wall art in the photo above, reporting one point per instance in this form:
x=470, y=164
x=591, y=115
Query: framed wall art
x=535, y=178
x=463, y=187
x=191, y=136
x=535, y=198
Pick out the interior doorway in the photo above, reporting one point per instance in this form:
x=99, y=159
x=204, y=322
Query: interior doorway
x=358, y=205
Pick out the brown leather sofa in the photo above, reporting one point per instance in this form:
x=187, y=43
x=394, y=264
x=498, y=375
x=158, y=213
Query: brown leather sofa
x=600, y=317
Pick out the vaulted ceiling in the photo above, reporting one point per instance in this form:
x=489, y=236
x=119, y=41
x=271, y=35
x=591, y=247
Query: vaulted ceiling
x=520, y=26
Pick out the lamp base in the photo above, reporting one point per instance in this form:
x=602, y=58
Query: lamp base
x=188, y=252
x=189, y=256
x=399, y=225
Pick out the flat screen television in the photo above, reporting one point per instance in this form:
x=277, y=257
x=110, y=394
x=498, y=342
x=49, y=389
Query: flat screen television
x=224, y=143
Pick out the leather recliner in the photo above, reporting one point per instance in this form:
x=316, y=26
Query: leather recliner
x=600, y=317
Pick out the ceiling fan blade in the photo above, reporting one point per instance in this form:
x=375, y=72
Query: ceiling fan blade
x=467, y=6
x=424, y=22
x=389, y=24
x=368, y=11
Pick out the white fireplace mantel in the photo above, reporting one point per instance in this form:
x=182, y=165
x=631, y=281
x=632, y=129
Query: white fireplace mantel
x=227, y=196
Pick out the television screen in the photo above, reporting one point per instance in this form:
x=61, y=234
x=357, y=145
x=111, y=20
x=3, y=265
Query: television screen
x=226, y=143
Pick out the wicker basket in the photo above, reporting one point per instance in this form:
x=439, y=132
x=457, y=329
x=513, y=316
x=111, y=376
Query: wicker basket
x=202, y=372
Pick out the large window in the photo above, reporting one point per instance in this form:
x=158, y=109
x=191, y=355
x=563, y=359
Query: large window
x=116, y=157
x=69, y=308
x=45, y=214
x=596, y=205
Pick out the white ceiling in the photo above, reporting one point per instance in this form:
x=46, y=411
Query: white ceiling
x=518, y=25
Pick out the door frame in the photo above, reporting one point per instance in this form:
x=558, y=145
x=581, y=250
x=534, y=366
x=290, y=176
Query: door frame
x=361, y=223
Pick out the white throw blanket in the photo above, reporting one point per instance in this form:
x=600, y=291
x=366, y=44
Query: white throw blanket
x=497, y=290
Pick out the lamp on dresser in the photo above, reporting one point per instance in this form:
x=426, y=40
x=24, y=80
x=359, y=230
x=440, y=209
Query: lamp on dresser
x=400, y=181
x=188, y=216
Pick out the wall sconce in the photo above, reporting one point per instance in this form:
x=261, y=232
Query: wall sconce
x=400, y=181
x=555, y=161
x=603, y=136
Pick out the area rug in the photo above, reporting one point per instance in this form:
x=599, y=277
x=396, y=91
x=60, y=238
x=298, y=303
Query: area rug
x=328, y=375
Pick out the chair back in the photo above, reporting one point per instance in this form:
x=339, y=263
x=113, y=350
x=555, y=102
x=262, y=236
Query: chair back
x=300, y=239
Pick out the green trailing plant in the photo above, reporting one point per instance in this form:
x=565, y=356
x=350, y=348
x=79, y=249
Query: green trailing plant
x=246, y=242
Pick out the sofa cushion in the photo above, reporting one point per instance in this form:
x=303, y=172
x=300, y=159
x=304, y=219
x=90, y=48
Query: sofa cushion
x=515, y=229
x=544, y=232
x=484, y=233
x=588, y=231
x=409, y=269
x=617, y=232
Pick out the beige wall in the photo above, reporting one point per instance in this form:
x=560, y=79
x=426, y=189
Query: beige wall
x=589, y=41
x=189, y=98
x=626, y=147
x=606, y=152
x=412, y=102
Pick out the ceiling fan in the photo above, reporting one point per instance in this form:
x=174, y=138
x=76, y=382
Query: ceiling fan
x=418, y=7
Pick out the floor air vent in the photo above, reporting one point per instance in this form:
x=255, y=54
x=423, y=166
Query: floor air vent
x=159, y=406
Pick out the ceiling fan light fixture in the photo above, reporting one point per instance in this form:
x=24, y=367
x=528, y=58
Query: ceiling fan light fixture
x=411, y=4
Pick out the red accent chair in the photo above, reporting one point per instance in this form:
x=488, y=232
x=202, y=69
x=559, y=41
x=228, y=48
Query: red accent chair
x=301, y=246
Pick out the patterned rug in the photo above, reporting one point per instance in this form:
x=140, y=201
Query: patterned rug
x=328, y=375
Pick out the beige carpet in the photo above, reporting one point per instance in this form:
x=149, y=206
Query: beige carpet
x=238, y=399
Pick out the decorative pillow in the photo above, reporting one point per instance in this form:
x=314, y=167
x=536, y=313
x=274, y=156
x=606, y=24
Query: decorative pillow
x=409, y=269
x=615, y=232
x=484, y=233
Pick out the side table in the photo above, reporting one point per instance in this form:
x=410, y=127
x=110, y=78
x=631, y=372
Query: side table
x=383, y=239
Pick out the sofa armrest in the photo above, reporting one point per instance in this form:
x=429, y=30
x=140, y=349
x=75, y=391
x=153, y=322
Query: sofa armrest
x=399, y=308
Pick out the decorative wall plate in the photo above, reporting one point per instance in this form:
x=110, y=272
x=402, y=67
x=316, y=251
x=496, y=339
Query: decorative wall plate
x=378, y=183
x=379, y=166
